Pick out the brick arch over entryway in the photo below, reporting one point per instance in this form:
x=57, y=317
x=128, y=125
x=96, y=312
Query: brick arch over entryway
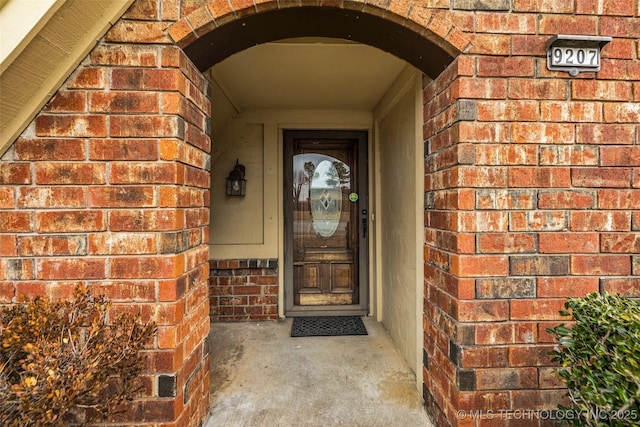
x=217, y=30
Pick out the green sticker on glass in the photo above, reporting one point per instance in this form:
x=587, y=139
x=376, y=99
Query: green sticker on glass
x=353, y=197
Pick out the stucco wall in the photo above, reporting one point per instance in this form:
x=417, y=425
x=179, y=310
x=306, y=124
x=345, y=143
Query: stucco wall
x=239, y=220
x=398, y=217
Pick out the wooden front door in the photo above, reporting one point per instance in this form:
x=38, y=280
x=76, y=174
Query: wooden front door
x=326, y=222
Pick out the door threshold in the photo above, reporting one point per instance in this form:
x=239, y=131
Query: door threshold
x=307, y=311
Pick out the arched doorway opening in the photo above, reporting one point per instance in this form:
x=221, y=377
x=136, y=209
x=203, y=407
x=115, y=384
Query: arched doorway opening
x=323, y=85
x=426, y=46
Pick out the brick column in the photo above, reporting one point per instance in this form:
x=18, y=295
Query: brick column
x=109, y=187
x=487, y=263
x=531, y=197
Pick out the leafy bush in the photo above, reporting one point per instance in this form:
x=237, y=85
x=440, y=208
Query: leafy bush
x=60, y=358
x=599, y=361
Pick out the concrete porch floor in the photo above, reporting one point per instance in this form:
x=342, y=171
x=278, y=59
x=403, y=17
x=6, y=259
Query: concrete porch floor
x=260, y=376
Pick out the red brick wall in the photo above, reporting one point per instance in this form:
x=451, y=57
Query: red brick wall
x=109, y=187
x=532, y=196
x=243, y=289
x=532, y=191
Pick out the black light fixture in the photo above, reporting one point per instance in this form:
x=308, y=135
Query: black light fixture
x=236, y=184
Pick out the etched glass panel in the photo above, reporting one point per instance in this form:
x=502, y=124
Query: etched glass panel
x=326, y=199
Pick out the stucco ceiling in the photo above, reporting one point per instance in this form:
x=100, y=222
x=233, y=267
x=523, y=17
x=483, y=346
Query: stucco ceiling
x=307, y=73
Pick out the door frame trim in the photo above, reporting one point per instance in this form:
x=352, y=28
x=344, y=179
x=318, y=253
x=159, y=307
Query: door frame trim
x=290, y=309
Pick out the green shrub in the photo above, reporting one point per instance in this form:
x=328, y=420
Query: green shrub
x=58, y=359
x=599, y=361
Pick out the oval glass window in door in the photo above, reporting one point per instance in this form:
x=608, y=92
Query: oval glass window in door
x=326, y=199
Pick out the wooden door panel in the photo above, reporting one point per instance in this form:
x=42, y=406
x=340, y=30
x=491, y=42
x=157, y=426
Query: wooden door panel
x=307, y=278
x=326, y=277
x=323, y=184
x=334, y=286
x=342, y=278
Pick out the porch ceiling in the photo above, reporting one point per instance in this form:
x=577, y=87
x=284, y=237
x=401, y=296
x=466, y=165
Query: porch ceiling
x=307, y=73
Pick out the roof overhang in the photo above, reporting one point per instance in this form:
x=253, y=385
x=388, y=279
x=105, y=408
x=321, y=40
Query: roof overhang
x=43, y=41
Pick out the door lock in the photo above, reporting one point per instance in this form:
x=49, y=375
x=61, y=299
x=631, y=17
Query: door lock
x=364, y=222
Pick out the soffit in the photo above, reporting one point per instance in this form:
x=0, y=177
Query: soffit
x=35, y=66
x=307, y=73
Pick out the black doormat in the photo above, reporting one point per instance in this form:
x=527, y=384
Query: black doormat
x=327, y=326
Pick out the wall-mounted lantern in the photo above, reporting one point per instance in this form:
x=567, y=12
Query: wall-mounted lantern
x=574, y=53
x=236, y=184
